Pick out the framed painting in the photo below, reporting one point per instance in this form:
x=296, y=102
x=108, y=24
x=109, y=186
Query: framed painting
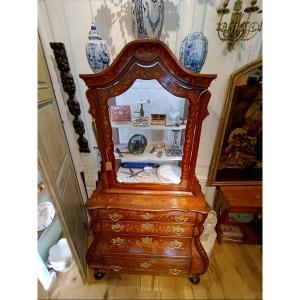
x=237, y=157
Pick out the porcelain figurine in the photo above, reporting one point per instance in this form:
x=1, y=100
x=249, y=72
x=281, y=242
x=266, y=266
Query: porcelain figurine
x=97, y=51
x=147, y=18
x=193, y=51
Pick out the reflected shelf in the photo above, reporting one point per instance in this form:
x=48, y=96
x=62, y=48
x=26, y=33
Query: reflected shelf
x=151, y=127
x=147, y=156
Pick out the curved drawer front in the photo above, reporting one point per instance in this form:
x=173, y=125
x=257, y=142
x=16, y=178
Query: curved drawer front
x=147, y=216
x=146, y=245
x=149, y=228
x=173, y=267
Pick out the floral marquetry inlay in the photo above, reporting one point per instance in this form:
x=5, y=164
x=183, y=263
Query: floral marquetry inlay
x=143, y=227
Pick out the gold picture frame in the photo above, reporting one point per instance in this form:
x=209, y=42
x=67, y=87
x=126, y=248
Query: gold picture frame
x=237, y=156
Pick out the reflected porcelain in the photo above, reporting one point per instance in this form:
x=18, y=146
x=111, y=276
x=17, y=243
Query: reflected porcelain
x=169, y=173
x=147, y=18
x=193, y=51
x=97, y=51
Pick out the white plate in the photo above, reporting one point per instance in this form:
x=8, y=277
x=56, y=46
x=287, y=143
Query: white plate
x=46, y=215
x=60, y=252
x=169, y=173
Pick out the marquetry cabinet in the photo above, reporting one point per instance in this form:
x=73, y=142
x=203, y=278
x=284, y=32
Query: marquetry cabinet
x=147, y=211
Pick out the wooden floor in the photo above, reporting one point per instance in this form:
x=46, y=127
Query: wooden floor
x=235, y=272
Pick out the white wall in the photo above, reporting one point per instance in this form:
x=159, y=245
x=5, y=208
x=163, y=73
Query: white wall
x=68, y=21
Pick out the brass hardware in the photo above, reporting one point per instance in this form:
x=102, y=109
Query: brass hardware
x=176, y=244
x=108, y=166
x=178, y=229
x=147, y=241
x=145, y=264
x=147, y=226
x=147, y=216
x=181, y=219
x=174, y=271
x=115, y=216
x=118, y=241
x=116, y=268
x=117, y=227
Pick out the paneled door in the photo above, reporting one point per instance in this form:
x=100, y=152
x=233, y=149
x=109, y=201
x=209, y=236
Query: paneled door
x=55, y=162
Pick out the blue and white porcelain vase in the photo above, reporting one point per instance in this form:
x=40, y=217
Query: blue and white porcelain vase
x=193, y=51
x=147, y=18
x=97, y=51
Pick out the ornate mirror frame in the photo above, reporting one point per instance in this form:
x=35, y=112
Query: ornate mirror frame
x=148, y=59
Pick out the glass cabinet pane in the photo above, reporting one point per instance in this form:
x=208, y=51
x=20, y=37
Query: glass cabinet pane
x=148, y=127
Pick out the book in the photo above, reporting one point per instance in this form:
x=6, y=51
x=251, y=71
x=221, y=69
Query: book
x=231, y=230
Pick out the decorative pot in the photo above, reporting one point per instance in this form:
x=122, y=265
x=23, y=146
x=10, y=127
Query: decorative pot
x=193, y=51
x=147, y=18
x=97, y=51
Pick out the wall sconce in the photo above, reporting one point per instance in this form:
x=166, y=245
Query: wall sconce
x=240, y=28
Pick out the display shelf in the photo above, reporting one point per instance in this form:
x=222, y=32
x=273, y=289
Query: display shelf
x=149, y=127
x=147, y=156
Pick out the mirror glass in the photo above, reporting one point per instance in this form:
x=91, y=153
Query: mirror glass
x=148, y=127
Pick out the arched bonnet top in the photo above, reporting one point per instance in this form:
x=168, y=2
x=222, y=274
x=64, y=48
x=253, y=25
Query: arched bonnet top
x=146, y=52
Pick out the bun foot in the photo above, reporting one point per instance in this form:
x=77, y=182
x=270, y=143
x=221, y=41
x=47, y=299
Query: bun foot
x=195, y=279
x=98, y=275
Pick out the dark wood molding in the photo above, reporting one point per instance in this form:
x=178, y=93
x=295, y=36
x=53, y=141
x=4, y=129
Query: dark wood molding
x=70, y=88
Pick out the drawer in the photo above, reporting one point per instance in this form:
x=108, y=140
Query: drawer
x=148, y=228
x=175, y=267
x=153, y=216
x=146, y=245
x=143, y=245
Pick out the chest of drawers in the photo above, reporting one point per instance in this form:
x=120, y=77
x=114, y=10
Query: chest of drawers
x=135, y=238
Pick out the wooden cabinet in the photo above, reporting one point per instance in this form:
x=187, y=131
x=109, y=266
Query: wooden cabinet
x=239, y=211
x=145, y=222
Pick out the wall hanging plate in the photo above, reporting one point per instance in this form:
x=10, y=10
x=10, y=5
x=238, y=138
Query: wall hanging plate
x=46, y=215
x=60, y=256
x=193, y=51
x=97, y=51
x=147, y=18
x=137, y=144
x=169, y=173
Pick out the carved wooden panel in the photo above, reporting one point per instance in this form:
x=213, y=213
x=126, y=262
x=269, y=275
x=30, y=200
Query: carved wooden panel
x=69, y=87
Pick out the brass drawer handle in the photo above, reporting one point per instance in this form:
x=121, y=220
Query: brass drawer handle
x=178, y=229
x=176, y=244
x=174, y=271
x=115, y=216
x=145, y=264
x=117, y=227
x=147, y=226
x=181, y=219
x=116, y=268
x=147, y=241
x=118, y=241
x=147, y=216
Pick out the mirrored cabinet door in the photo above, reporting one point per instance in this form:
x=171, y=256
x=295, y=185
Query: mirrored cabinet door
x=148, y=131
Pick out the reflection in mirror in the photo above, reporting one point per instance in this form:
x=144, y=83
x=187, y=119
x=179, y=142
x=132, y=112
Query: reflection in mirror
x=148, y=128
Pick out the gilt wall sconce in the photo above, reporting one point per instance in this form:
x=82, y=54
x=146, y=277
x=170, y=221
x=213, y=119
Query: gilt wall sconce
x=240, y=27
